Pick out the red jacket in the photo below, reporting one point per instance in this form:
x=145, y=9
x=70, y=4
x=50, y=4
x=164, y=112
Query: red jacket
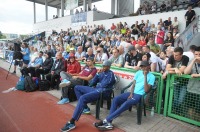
x=74, y=67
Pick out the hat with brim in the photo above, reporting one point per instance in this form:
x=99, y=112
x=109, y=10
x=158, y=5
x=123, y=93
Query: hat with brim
x=144, y=63
x=106, y=63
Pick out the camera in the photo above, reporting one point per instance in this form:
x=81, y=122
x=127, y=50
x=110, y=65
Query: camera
x=98, y=51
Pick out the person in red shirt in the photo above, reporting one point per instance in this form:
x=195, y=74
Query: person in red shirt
x=70, y=81
x=73, y=66
x=113, y=27
x=160, y=37
x=142, y=41
x=133, y=41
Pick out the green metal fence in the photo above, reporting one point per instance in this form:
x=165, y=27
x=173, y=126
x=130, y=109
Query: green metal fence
x=184, y=101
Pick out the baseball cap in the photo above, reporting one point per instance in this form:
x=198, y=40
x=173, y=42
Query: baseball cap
x=71, y=49
x=106, y=63
x=144, y=63
x=131, y=47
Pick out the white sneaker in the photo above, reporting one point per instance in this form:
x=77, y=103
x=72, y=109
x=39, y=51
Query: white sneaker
x=64, y=83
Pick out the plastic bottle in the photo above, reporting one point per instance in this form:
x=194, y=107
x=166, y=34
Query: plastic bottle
x=152, y=111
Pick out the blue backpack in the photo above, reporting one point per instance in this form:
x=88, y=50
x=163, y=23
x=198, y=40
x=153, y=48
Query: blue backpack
x=20, y=84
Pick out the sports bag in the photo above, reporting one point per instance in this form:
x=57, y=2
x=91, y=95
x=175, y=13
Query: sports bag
x=20, y=84
x=30, y=85
x=44, y=85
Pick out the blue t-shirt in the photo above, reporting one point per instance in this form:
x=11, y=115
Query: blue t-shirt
x=38, y=61
x=27, y=55
x=139, y=78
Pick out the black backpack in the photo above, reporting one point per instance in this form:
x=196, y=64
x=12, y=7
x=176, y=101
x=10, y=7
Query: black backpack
x=44, y=85
x=29, y=84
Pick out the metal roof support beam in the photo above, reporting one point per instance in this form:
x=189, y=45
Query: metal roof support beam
x=58, y=12
x=46, y=10
x=34, y=12
x=113, y=7
x=62, y=8
x=116, y=7
x=89, y=5
x=84, y=5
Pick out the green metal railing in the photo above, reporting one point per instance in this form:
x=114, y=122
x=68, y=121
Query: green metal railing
x=180, y=102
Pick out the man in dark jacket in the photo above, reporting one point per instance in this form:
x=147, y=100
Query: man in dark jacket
x=46, y=66
x=85, y=94
x=58, y=66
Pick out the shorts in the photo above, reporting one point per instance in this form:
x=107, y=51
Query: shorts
x=26, y=61
x=18, y=63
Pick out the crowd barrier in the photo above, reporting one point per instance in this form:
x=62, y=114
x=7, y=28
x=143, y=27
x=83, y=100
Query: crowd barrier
x=181, y=101
x=7, y=55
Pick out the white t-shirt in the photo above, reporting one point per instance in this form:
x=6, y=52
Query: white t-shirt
x=125, y=45
x=155, y=59
x=190, y=55
x=79, y=55
x=174, y=24
x=103, y=57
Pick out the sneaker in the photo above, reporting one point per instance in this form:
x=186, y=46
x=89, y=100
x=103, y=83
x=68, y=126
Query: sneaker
x=86, y=111
x=14, y=72
x=105, y=126
x=97, y=124
x=64, y=83
x=69, y=126
x=63, y=101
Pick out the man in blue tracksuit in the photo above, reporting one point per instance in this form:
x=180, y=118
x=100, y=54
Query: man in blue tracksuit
x=85, y=94
x=143, y=80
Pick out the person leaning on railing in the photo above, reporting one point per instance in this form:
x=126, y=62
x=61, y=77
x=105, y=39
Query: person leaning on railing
x=176, y=65
x=193, y=87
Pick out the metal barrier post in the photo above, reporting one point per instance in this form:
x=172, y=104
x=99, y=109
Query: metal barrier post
x=166, y=95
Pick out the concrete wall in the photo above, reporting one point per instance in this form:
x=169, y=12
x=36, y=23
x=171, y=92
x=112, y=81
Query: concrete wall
x=97, y=15
x=65, y=22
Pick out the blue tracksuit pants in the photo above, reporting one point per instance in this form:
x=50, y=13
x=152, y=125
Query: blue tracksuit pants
x=85, y=94
x=123, y=103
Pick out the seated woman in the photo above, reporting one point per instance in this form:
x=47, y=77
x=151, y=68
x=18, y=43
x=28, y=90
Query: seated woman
x=46, y=66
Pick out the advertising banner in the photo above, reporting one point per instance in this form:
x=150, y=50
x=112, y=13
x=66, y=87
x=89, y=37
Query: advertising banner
x=185, y=38
x=79, y=19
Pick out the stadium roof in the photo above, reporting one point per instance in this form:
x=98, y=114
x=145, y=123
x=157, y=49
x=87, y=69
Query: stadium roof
x=57, y=3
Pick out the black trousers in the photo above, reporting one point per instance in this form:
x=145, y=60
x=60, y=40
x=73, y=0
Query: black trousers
x=54, y=79
x=41, y=71
x=188, y=23
x=25, y=71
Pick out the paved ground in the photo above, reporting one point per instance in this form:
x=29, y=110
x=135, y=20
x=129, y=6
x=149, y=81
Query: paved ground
x=36, y=111
x=127, y=121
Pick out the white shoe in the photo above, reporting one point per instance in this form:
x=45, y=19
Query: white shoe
x=64, y=83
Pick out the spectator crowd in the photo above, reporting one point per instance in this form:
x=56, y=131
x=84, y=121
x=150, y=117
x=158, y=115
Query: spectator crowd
x=142, y=46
